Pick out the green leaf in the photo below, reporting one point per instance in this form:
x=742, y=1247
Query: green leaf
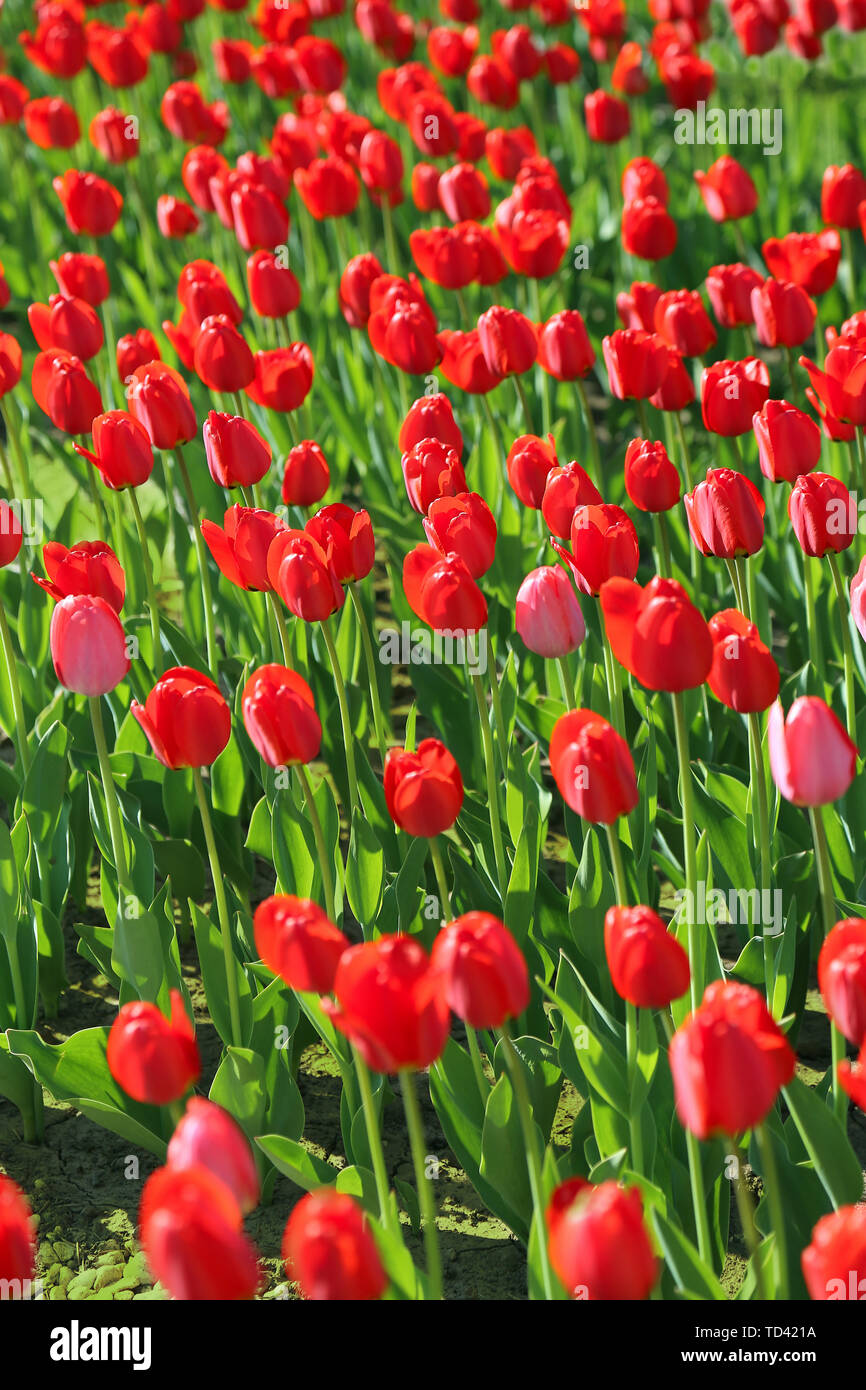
x=239, y=1087
x=208, y=940
x=294, y=849
x=503, y=1155
x=45, y=783
x=296, y=1163
x=826, y=1143
x=692, y=1275
x=365, y=871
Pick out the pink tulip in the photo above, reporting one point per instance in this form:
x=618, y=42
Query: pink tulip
x=548, y=614
x=858, y=599
x=88, y=646
x=812, y=759
x=208, y=1136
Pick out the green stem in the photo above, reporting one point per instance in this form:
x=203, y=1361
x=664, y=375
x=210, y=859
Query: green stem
x=152, y=603
x=566, y=682
x=689, y=846
x=847, y=654
x=370, y=660
x=496, y=702
x=345, y=716
x=202, y=559
x=614, y=690
x=492, y=797
x=763, y=839
x=699, y=1200
x=441, y=880
x=374, y=1142
x=663, y=544
x=390, y=240
x=109, y=791
x=318, y=836
x=828, y=914
x=816, y=647
x=746, y=1210
x=477, y=1065
x=524, y=404
x=777, y=1212
x=417, y=1143
x=643, y=418
x=15, y=688
x=18, y=453
x=280, y=621
x=593, y=436
x=222, y=909
x=533, y=1160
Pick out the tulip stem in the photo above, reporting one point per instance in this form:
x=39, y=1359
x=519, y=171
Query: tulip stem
x=524, y=403
x=374, y=1143
x=816, y=649
x=17, y=452
x=619, y=879
x=492, y=797
x=15, y=689
x=152, y=604
x=441, y=881
x=746, y=1211
x=201, y=556
x=763, y=837
x=860, y=436
x=496, y=702
x=591, y=431
x=614, y=691
x=222, y=908
x=390, y=240
x=663, y=544
x=280, y=621
x=847, y=654
x=689, y=847
x=318, y=836
x=109, y=791
x=774, y=1198
x=699, y=1199
x=566, y=682
x=345, y=717
x=533, y=1160
x=417, y=1143
x=828, y=913
x=370, y=660
x=643, y=418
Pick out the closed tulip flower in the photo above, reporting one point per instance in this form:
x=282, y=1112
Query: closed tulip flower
x=81, y=275
x=280, y=716
x=122, y=451
x=259, y=218
x=784, y=314
x=240, y=547
x=222, y=358
x=425, y=187
x=842, y=977
x=463, y=362
x=725, y=514
x=159, y=399
x=789, y=441
x=744, y=674
x=440, y=589
x=51, y=123
x=547, y=613
x=90, y=567
x=192, y=1237
x=237, y=455
x=306, y=475
x=88, y=646
x=328, y=187
x=13, y=98
x=175, y=218
x=274, y=288
x=208, y=1137
x=642, y=178
x=485, y=976
x=152, y=1058
x=135, y=350
x=10, y=363
x=834, y=1261
x=463, y=525
x=301, y=573
x=330, y=1252
x=17, y=1233
x=91, y=204
x=63, y=390
x=648, y=230
x=430, y=470
x=355, y=285
x=657, y=634
x=651, y=480
x=808, y=259
x=823, y=514
x=390, y=1001
x=729, y=289
x=592, y=767
x=839, y=387
x=346, y=537
x=185, y=718
x=508, y=341
x=298, y=942
x=463, y=194
x=648, y=966
x=607, y=117
x=727, y=190
x=812, y=759
x=636, y=307
x=529, y=463
x=11, y=534
x=732, y=393
x=598, y=1241
x=442, y=255
x=566, y=489
x=403, y=331
x=533, y=240
x=635, y=363
x=675, y=391
x=430, y=417
x=70, y=324
x=282, y=377
x=729, y=1060
x=843, y=189
x=628, y=75
x=507, y=149
x=423, y=789
x=681, y=319
x=564, y=349
x=858, y=599
x=604, y=543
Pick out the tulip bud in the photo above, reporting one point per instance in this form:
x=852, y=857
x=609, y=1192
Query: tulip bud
x=279, y=714
x=648, y=966
x=192, y=1236
x=88, y=646
x=329, y=1251
x=592, y=767
x=651, y=480
x=812, y=759
x=237, y=455
x=185, y=718
x=842, y=977
x=548, y=616
x=153, y=1058
x=298, y=942
x=207, y=1136
x=598, y=1241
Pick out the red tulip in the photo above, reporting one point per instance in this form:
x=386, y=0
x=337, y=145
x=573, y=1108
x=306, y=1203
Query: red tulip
x=727, y=190
x=642, y=178
x=282, y=377
x=114, y=135
x=90, y=203
x=11, y=534
x=293, y=936
x=430, y=417
x=346, y=537
x=13, y=98
x=17, y=1234
x=648, y=230
x=598, y=1241
x=681, y=319
x=486, y=980
x=464, y=364
x=462, y=193
x=356, y=283
x=635, y=363
x=300, y=572
x=240, y=548
x=10, y=363
x=840, y=386
x=823, y=514
x=547, y=613
x=812, y=759
x=628, y=75
x=440, y=589
x=491, y=82
x=729, y=1061
x=431, y=469
x=259, y=217
x=725, y=514
x=789, y=441
x=280, y=717
x=274, y=289
x=119, y=56
x=64, y=391
x=328, y=188
x=508, y=341
x=90, y=567
x=784, y=314
x=688, y=79
x=637, y=308
x=159, y=399
x=834, y=1261
x=729, y=288
x=604, y=543
x=186, y=114
x=81, y=276
x=529, y=463
x=744, y=674
x=843, y=189
x=842, y=977
x=732, y=393
x=390, y=1002
x=59, y=46
x=451, y=50
x=507, y=149
x=306, y=477
x=607, y=117
x=651, y=480
x=175, y=218
x=135, y=350
x=208, y=1137
x=222, y=358
x=193, y=1239
x=647, y=964
x=566, y=489
x=423, y=789
x=185, y=718
x=463, y=525
x=329, y=1251
x=443, y=256
x=237, y=455
x=154, y=1059
x=69, y=324
x=657, y=634
x=808, y=259
x=425, y=187
x=51, y=123
x=402, y=326
x=592, y=767
x=88, y=646
x=533, y=239
x=564, y=349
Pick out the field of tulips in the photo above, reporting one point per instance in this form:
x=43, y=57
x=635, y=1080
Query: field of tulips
x=433, y=671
